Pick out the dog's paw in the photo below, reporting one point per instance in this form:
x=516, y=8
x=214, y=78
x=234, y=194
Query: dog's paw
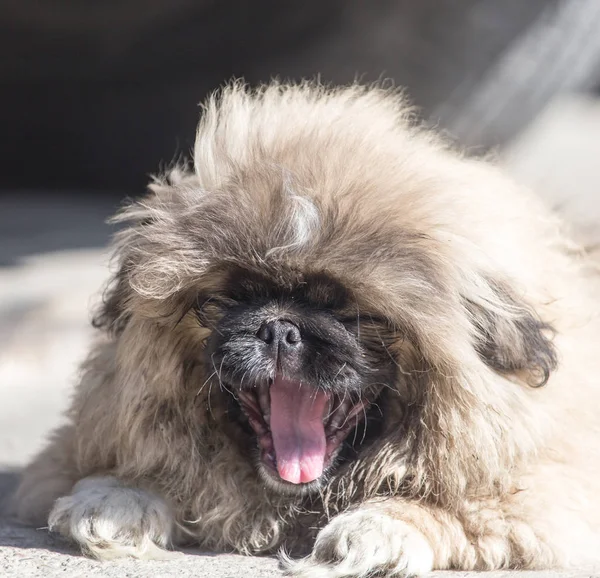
x=364, y=543
x=109, y=520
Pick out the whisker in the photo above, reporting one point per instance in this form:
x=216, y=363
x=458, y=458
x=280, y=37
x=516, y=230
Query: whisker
x=242, y=380
x=386, y=385
x=355, y=432
x=378, y=408
x=339, y=405
x=210, y=411
x=221, y=371
x=204, y=384
x=227, y=390
x=212, y=358
x=340, y=370
x=362, y=441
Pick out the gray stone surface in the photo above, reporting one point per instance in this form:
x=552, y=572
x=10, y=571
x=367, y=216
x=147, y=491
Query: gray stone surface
x=27, y=552
x=53, y=266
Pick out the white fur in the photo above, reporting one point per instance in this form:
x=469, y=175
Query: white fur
x=299, y=225
x=109, y=520
x=362, y=543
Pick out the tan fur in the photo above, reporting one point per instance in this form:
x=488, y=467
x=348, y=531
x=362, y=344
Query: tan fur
x=484, y=470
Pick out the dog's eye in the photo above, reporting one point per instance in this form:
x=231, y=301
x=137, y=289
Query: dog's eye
x=210, y=309
x=216, y=301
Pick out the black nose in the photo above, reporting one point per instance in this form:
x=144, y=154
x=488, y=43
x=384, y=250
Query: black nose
x=280, y=335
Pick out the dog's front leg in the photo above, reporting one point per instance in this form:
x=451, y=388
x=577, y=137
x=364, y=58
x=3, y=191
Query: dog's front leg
x=111, y=520
x=396, y=537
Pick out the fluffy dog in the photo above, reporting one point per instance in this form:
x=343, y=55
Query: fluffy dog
x=338, y=338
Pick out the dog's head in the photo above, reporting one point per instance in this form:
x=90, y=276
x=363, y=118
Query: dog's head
x=318, y=281
x=303, y=369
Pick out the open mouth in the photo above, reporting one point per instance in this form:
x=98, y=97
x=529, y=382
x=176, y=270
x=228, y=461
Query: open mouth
x=298, y=427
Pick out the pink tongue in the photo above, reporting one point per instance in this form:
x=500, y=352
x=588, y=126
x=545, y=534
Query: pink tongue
x=297, y=428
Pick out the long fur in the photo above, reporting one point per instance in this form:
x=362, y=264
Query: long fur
x=490, y=455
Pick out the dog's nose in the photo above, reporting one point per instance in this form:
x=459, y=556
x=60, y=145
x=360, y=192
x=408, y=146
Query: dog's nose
x=280, y=335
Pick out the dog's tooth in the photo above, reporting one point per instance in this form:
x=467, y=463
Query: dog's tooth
x=257, y=426
x=265, y=443
x=340, y=413
x=345, y=406
x=264, y=400
x=360, y=406
x=347, y=414
x=246, y=397
x=337, y=418
x=272, y=458
x=336, y=421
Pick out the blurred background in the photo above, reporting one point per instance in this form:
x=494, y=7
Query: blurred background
x=96, y=95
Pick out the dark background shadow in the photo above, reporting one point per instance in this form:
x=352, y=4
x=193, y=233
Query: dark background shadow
x=8, y=482
x=96, y=95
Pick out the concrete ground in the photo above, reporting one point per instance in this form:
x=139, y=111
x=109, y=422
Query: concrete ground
x=53, y=264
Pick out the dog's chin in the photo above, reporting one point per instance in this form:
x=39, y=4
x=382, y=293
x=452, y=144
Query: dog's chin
x=299, y=431
x=275, y=483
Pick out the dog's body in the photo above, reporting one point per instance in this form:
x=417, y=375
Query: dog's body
x=322, y=241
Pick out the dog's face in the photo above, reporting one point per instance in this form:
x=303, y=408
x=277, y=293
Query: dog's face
x=329, y=293
x=303, y=370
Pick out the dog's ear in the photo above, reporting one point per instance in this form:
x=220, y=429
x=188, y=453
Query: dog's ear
x=510, y=336
x=144, y=248
x=112, y=314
